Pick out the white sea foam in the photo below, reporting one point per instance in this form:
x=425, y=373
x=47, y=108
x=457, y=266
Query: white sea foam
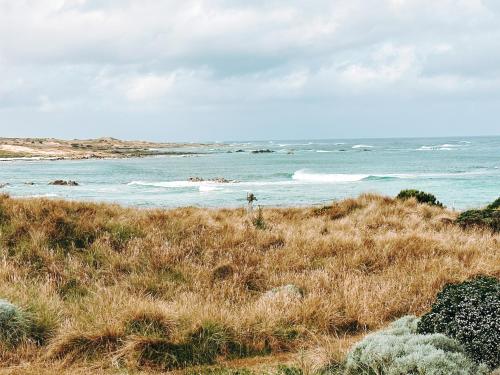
x=302, y=175
x=165, y=184
x=362, y=146
x=324, y=151
x=207, y=188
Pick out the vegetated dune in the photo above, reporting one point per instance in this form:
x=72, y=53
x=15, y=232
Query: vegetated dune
x=104, y=287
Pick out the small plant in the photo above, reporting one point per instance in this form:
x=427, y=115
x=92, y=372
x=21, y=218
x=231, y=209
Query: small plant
x=259, y=222
x=420, y=196
x=400, y=350
x=14, y=324
x=470, y=313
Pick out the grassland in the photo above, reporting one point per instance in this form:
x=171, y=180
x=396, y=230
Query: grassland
x=118, y=290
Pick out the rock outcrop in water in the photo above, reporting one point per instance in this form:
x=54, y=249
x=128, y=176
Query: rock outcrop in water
x=266, y=151
x=64, y=183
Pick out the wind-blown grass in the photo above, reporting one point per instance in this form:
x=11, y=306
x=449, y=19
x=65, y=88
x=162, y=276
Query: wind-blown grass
x=114, y=287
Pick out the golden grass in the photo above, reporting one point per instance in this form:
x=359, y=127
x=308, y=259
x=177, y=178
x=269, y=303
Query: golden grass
x=112, y=288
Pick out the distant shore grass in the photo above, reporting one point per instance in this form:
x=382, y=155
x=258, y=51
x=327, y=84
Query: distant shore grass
x=106, y=288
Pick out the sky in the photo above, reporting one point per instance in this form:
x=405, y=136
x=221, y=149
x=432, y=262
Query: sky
x=195, y=70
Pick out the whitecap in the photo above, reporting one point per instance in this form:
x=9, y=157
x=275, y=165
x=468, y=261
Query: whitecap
x=302, y=175
x=362, y=146
x=165, y=184
x=207, y=188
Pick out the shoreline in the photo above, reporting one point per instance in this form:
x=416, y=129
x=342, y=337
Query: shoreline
x=51, y=149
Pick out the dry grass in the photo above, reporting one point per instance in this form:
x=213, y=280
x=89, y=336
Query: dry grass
x=110, y=288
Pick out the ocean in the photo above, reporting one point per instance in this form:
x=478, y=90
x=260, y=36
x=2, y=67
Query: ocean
x=462, y=172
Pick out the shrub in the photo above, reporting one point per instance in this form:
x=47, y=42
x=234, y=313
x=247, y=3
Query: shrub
x=494, y=205
x=14, y=324
x=399, y=350
x=420, y=196
x=470, y=313
x=480, y=218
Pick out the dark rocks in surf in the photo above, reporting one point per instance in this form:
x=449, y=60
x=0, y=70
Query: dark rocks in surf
x=64, y=183
x=266, y=151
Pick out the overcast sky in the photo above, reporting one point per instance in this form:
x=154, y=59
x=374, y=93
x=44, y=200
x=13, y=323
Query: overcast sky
x=262, y=69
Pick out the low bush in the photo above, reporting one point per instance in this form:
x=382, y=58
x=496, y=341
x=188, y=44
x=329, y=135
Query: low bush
x=420, y=196
x=494, y=205
x=488, y=217
x=14, y=324
x=400, y=350
x=470, y=313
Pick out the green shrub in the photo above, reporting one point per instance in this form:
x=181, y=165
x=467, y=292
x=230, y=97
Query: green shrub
x=488, y=217
x=494, y=205
x=470, y=313
x=14, y=323
x=420, y=196
x=399, y=350
x=480, y=218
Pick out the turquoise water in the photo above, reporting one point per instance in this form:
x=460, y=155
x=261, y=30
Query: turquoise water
x=461, y=172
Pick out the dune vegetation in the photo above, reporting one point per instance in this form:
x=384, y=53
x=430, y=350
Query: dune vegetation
x=102, y=288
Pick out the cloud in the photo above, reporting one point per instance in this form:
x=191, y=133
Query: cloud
x=165, y=55
x=148, y=87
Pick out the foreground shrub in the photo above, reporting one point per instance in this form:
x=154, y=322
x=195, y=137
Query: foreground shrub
x=399, y=350
x=14, y=325
x=420, y=196
x=487, y=218
x=470, y=313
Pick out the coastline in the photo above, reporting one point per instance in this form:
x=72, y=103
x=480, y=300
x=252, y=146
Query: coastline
x=51, y=149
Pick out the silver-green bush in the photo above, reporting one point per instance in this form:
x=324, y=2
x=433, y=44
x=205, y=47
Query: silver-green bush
x=14, y=326
x=400, y=350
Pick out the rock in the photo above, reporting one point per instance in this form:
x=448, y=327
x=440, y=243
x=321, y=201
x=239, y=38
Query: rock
x=4, y=185
x=64, y=183
x=195, y=179
x=289, y=291
x=240, y=150
x=29, y=183
x=266, y=151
